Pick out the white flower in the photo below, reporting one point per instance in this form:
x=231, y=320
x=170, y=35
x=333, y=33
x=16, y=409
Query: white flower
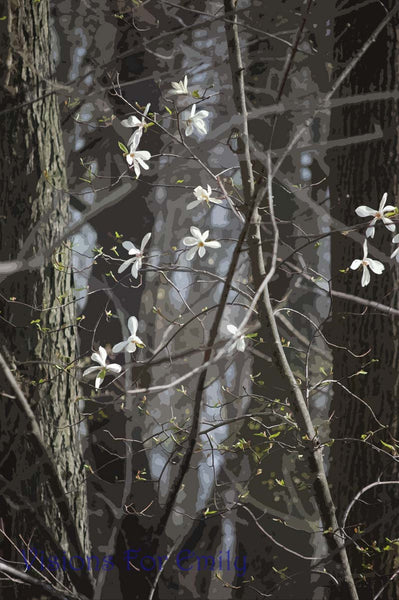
x=239, y=343
x=100, y=357
x=137, y=260
x=134, y=122
x=198, y=242
x=395, y=253
x=366, y=211
x=195, y=120
x=179, y=87
x=137, y=158
x=375, y=265
x=132, y=341
x=203, y=195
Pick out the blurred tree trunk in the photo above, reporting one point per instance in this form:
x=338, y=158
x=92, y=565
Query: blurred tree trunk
x=37, y=309
x=360, y=174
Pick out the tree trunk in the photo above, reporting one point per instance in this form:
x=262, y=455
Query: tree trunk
x=360, y=174
x=38, y=331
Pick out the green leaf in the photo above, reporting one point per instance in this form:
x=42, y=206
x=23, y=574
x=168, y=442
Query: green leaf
x=180, y=181
x=168, y=110
x=123, y=147
x=195, y=94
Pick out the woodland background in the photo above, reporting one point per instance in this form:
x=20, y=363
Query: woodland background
x=91, y=472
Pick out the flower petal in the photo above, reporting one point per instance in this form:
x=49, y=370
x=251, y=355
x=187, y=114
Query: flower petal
x=99, y=380
x=192, y=252
x=125, y=265
x=370, y=231
x=145, y=241
x=201, y=251
x=241, y=344
x=195, y=232
x=128, y=246
x=395, y=239
x=96, y=357
x=389, y=224
x=205, y=235
x=114, y=368
x=135, y=269
x=198, y=191
x=132, y=325
x=189, y=130
x=143, y=155
x=142, y=164
x=365, y=211
x=383, y=201
x=130, y=121
x=365, y=277
x=202, y=114
x=131, y=347
x=103, y=353
x=190, y=241
x=365, y=249
x=193, y=204
x=213, y=244
x=395, y=253
x=200, y=125
x=135, y=138
x=91, y=370
x=376, y=266
x=232, y=329
x=119, y=347
x=356, y=264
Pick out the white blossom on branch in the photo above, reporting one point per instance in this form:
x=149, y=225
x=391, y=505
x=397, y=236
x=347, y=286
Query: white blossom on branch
x=100, y=357
x=199, y=243
x=195, y=121
x=137, y=124
x=137, y=254
x=203, y=195
x=239, y=343
x=179, y=87
x=378, y=215
x=137, y=158
x=367, y=263
x=133, y=341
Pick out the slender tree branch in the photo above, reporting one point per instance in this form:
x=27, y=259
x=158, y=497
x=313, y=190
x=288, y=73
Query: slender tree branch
x=298, y=404
x=17, y=575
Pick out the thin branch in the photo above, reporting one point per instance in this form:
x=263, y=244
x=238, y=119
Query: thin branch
x=347, y=70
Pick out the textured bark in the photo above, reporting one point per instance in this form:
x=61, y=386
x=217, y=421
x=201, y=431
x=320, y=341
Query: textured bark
x=34, y=211
x=360, y=174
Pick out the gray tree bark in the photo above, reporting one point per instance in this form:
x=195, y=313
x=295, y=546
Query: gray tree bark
x=360, y=174
x=38, y=331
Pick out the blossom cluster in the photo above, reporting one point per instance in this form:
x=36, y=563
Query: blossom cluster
x=379, y=215
x=197, y=242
